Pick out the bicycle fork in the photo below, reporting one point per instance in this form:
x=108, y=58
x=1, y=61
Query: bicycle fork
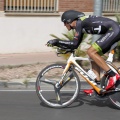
x=65, y=79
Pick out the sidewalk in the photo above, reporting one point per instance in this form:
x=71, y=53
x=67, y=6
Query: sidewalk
x=25, y=58
x=29, y=58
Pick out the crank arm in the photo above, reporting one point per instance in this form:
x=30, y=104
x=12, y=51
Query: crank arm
x=110, y=91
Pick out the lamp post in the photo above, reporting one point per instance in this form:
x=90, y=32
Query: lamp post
x=98, y=12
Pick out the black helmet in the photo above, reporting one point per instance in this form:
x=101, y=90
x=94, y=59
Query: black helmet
x=70, y=15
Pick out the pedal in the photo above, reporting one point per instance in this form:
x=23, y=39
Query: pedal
x=89, y=92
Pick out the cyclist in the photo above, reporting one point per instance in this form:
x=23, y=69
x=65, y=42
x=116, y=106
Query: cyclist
x=110, y=33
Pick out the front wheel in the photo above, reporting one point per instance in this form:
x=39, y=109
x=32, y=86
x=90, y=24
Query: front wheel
x=47, y=81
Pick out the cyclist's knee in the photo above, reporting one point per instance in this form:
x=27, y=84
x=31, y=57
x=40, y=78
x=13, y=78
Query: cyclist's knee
x=91, y=51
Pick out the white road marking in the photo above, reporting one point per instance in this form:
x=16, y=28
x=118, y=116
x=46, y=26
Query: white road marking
x=17, y=90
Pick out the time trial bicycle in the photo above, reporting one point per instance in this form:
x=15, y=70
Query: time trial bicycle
x=58, y=85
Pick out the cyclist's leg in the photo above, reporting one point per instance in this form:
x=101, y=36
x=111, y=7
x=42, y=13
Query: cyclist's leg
x=92, y=52
x=96, y=70
x=100, y=62
x=102, y=45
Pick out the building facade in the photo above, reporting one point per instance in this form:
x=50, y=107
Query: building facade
x=63, y=5
x=26, y=25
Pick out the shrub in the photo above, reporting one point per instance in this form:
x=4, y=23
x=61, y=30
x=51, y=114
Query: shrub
x=117, y=50
x=69, y=36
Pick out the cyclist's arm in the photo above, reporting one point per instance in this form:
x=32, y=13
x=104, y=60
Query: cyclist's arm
x=76, y=41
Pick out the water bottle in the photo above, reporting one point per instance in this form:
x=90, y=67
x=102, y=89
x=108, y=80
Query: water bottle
x=91, y=74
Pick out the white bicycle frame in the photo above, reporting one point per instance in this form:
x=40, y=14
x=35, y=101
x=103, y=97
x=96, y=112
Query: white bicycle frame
x=72, y=60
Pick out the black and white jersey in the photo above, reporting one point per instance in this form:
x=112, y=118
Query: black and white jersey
x=109, y=29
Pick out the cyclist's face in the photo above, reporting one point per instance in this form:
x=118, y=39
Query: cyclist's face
x=67, y=25
x=70, y=26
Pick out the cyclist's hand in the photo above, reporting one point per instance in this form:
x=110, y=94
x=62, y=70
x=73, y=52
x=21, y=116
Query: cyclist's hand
x=52, y=43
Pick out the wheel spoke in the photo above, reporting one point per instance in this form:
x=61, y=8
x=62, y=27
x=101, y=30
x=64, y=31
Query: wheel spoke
x=58, y=97
x=52, y=82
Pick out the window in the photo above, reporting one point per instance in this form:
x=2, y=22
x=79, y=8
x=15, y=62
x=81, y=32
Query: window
x=31, y=6
x=111, y=6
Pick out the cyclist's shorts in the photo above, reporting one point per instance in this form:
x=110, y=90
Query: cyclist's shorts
x=104, y=43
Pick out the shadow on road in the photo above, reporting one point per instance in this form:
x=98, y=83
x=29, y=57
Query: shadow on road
x=92, y=101
x=84, y=99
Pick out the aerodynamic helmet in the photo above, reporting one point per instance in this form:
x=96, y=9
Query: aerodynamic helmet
x=70, y=15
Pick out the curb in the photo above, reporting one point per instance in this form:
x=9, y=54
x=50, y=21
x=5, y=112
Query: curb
x=18, y=83
x=30, y=85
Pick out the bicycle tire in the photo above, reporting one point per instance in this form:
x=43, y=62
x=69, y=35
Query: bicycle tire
x=114, y=97
x=46, y=91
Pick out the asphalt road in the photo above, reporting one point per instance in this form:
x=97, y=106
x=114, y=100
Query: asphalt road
x=25, y=105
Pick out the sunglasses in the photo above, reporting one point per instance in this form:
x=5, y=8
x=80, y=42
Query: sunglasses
x=66, y=23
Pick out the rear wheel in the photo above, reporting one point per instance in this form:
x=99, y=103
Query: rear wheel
x=50, y=93
x=114, y=97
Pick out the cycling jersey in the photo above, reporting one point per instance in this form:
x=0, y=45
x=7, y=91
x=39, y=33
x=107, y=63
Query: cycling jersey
x=107, y=28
